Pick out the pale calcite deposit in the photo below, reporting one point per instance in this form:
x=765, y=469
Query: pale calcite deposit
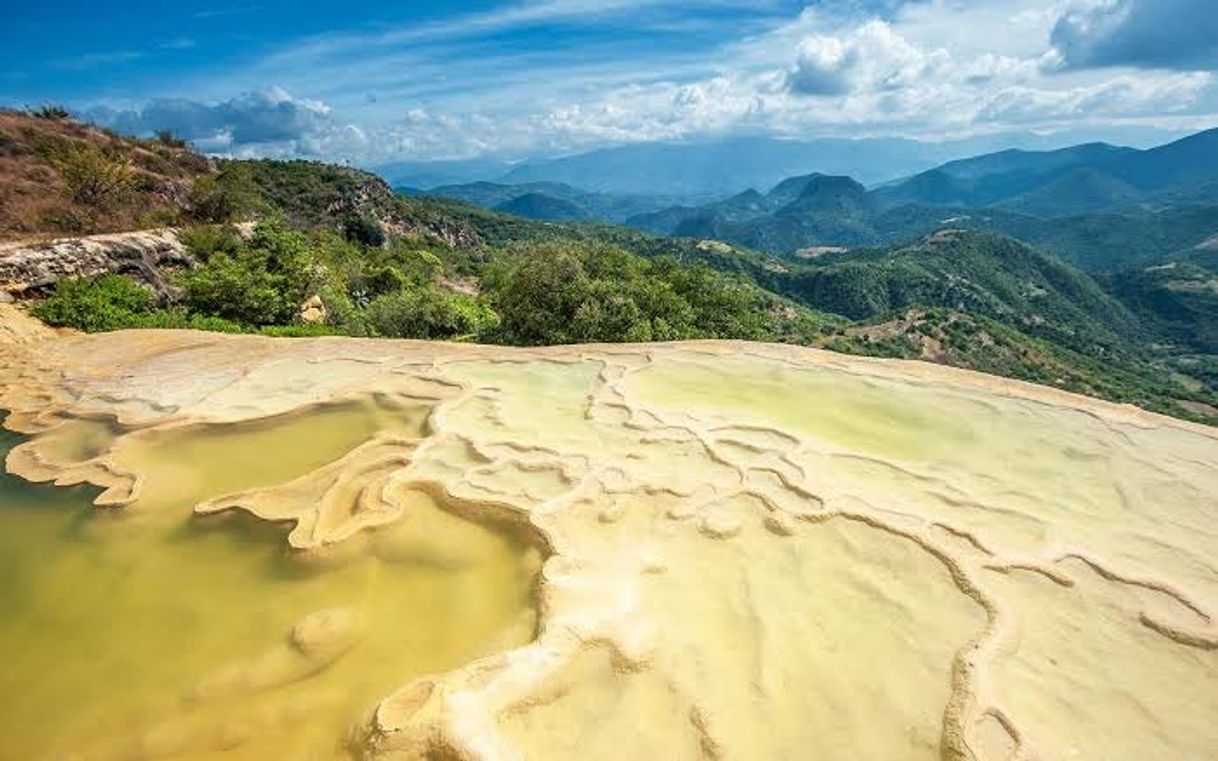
x=752, y=551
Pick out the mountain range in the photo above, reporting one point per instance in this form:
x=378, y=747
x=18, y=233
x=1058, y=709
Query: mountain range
x=1100, y=206
x=554, y=201
x=706, y=170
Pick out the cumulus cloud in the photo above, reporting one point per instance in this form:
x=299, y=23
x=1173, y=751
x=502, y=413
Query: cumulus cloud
x=822, y=68
x=870, y=78
x=918, y=68
x=873, y=56
x=1172, y=34
x=269, y=121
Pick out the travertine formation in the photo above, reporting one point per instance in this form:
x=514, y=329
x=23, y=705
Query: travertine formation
x=752, y=551
x=34, y=267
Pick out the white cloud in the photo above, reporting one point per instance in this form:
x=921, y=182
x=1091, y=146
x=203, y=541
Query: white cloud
x=931, y=68
x=872, y=56
x=267, y=122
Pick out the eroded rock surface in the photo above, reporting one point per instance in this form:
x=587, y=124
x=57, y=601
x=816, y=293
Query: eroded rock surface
x=752, y=551
x=32, y=268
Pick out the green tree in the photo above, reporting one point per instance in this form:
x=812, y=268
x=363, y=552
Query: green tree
x=229, y=195
x=263, y=283
x=428, y=313
x=91, y=177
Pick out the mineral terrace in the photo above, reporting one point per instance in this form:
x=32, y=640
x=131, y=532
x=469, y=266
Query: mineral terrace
x=738, y=551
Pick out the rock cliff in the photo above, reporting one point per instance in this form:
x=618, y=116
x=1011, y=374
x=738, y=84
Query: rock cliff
x=31, y=269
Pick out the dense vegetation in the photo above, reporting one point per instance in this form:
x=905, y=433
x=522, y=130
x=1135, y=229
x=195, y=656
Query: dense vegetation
x=1178, y=298
x=334, y=251
x=981, y=343
x=543, y=292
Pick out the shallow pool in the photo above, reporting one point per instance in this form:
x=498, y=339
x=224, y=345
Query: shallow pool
x=200, y=637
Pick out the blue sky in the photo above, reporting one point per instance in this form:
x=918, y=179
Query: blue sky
x=375, y=81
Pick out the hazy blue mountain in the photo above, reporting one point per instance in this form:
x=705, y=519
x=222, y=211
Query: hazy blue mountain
x=542, y=206
x=704, y=171
x=1012, y=161
x=710, y=170
x=1185, y=162
x=601, y=206
x=1077, y=190
x=1102, y=207
x=430, y=174
x=1083, y=178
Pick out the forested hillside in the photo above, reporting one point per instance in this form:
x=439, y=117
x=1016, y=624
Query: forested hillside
x=332, y=250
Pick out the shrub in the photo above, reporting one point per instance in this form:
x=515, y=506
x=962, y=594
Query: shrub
x=167, y=138
x=93, y=304
x=204, y=240
x=262, y=283
x=384, y=280
x=179, y=318
x=426, y=312
x=419, y=266
x=93, y=178
x=363, y=230
x=558, y=293
x=229, y=195
x=50, y=111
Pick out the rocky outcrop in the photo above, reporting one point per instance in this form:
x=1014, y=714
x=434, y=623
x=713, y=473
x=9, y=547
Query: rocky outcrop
x=313, y=311
x=372, y=197
x=32, y=269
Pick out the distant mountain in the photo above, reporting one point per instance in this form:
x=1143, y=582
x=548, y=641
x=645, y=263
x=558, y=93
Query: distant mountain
x=429, y=174
x=979, y=273
x=826, y=208
x=1102, y=207
x=569, y=202
x=708, y=170
x=541, y=206
x=1083, y=178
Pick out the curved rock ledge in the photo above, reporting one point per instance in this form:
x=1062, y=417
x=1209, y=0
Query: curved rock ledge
x=753, y=551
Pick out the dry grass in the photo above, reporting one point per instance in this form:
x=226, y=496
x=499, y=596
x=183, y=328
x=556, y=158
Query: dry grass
x=62, y=177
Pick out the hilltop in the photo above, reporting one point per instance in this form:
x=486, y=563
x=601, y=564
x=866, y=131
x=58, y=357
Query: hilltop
x=1101, y=207
x=63, y=177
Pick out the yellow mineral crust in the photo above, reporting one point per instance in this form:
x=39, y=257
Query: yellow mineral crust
x=751, y=551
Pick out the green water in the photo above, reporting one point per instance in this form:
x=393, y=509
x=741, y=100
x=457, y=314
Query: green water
x=111, y=623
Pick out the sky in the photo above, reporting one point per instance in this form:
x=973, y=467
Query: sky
x=373, y=82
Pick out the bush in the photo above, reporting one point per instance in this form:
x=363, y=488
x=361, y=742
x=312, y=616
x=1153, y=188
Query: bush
x=205, y=240
x=230, y=195
x=363, y=230
x=93, y=178
x=561, y=293
x=93, y=304
x=427, y=313
x=167, y=138
x=263, y=282
x=179, y=319
x=50, y=111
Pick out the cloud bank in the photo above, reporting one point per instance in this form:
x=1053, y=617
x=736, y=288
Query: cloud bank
x=1172, y=34
x=930, y=69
